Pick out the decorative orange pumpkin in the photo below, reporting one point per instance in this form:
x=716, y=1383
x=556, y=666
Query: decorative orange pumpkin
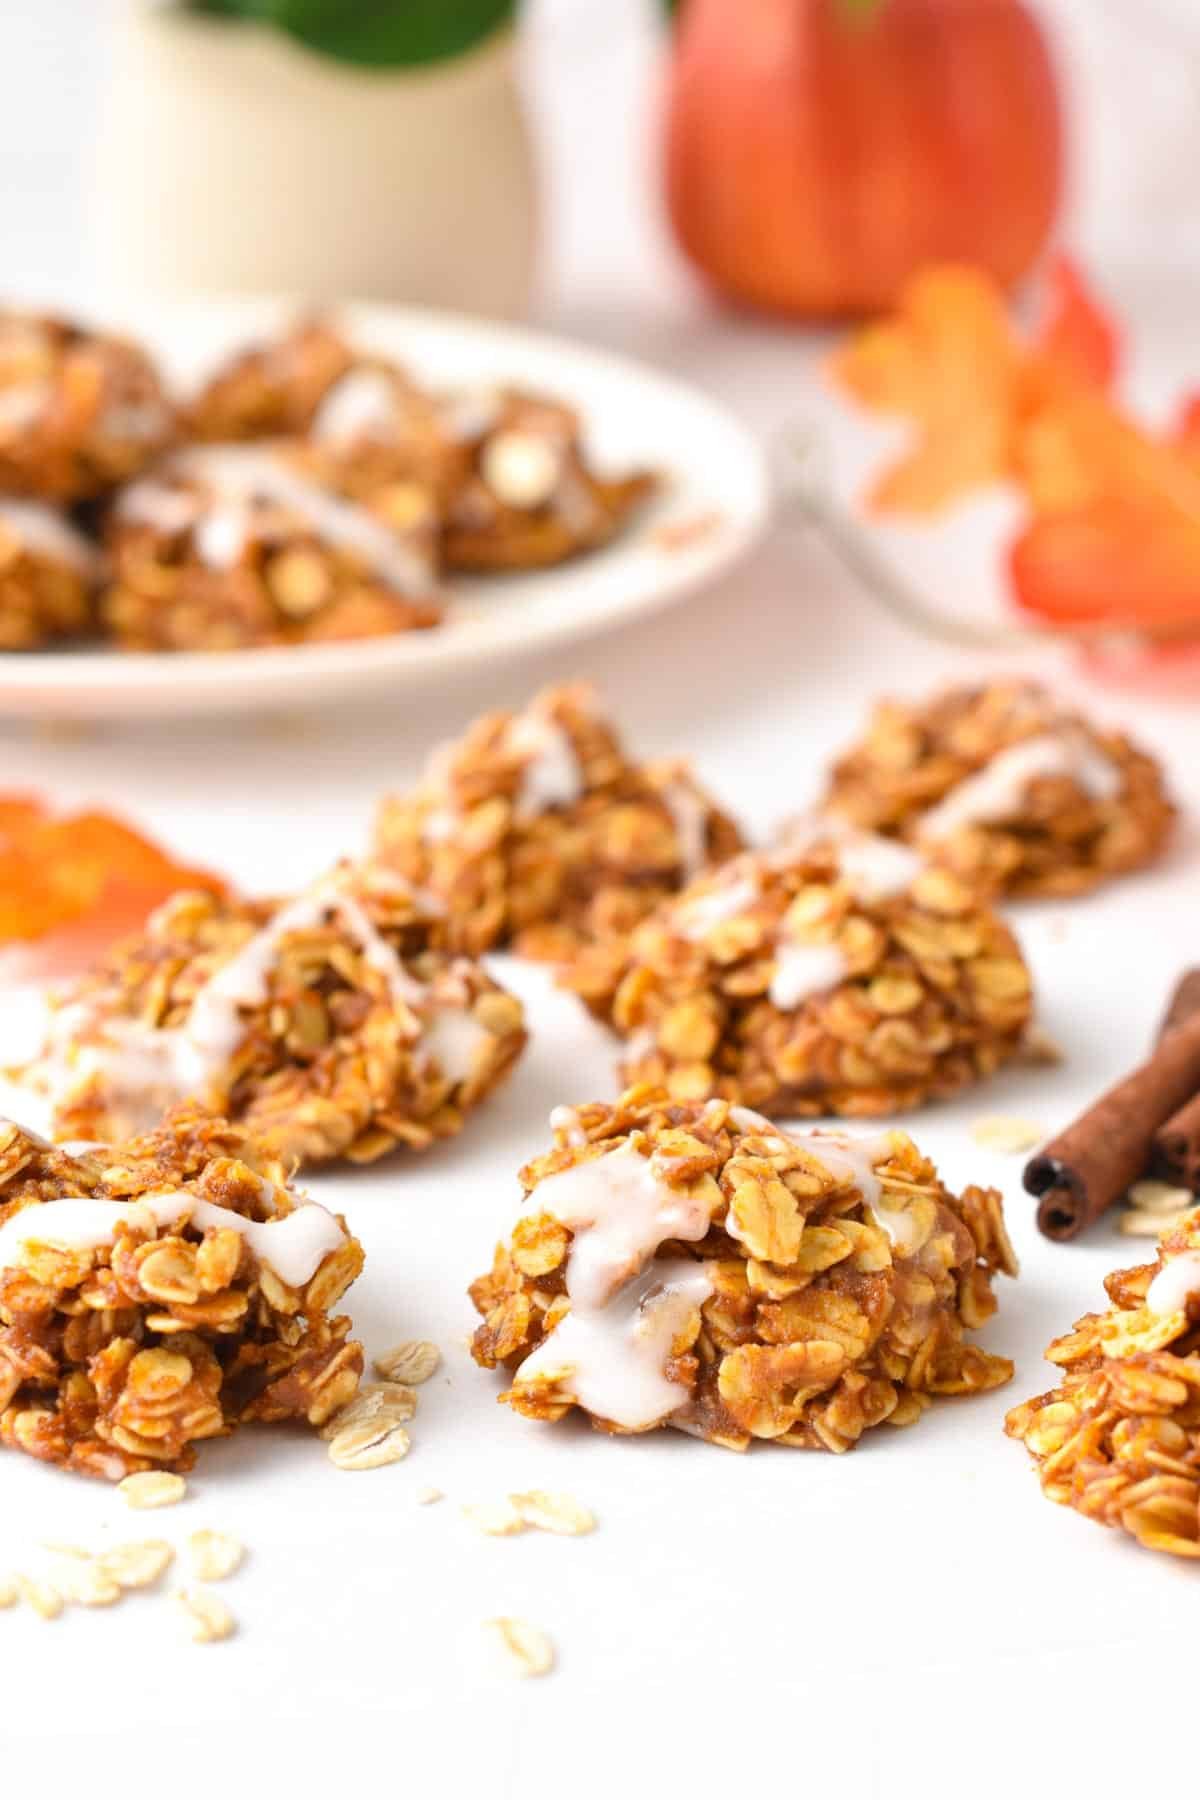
x=819, y=151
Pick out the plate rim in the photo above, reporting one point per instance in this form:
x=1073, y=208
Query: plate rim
x=198, y=681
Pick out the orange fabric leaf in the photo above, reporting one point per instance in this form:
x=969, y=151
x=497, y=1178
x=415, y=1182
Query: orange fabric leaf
x=1115, y=561
x=947, y=360
x=72, y=884
x=1076, y=333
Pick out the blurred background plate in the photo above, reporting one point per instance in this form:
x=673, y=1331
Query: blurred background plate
x=714, y=506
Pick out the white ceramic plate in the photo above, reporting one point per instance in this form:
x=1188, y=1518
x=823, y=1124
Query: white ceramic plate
x=633, y=417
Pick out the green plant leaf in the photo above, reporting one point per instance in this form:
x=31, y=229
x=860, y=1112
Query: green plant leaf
x=376, y=34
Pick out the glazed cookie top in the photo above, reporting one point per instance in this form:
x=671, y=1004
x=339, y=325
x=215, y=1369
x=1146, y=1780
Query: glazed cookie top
x=673, y=1264
x=1015, y=792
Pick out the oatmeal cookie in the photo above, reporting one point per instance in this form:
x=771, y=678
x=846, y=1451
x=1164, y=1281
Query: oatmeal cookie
x=529, y=496
x=332, y=1025
x=1002, y=785
x=80, y=411
x=48, y=574
x=157, y=1296
x=505, y=469
x=271, y=390
x=690, y=1265
x=232, y=547
x=536, y=829
x=1119, y=1438
x=833, y=973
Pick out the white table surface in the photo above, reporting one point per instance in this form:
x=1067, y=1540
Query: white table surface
x=913, y=1619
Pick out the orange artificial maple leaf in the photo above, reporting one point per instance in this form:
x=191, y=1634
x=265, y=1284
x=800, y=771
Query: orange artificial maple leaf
x=71, y=884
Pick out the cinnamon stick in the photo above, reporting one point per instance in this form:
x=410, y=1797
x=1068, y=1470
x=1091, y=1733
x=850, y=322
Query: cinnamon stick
x=1081, y=1173
x=1175, y=1152
x=1184, y=1001
x=1176, y=1149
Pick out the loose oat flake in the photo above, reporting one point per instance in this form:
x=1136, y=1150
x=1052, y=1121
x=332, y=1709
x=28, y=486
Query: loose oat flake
x=559, y=1513
x=208, y=1618
x=214, y=1555
x=523, y=1649
x=370, y=1445
x=429, y=1495
x=1161, y=1197
x=498, y=1518
x=86, y=1584
x=151, y=1488
x=45, y=1599
x=1010, y=1136
x=412, y=1362
x=8, y=1591
x=137, y=1565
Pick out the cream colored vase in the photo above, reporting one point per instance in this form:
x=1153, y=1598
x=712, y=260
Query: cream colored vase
x=233, y=160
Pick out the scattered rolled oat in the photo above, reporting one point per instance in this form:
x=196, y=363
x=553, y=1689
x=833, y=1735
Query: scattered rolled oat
x=1161, y=1197
x=1009, y=1136
x=524, y=1650
x=378, y=1400
x=1038, y=1050
x=136, y=1565
x=370, y=1445
x=412, y=1362
x=1154, y=1208
x=498, y=1518
x=429, y=1495
x=152, y=1488
x=559, y=1513
x=44, y=1598
x=209, y=1620
x=84, y=1582
x=9, y=1591
x=214, y=1555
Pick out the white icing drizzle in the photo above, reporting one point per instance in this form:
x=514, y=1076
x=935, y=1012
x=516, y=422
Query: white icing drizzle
x=998, y=790
x=522, y=468
x=43, y=530
x=222, y=532
x=139, y=420
x=609, y=1351
x=875, y=868
x=689, y=815
x=152, y=502
x=471, y=413
x=238, y=476
x=697, y=915
x=854, y=1159
x=294, y=1246
x=1176, y=1284
x=550, y=773
x=22, y=404
x=362, y=405
x=802, y=970
x=451, y=1039
x=565, y=1119
x=847, y=1158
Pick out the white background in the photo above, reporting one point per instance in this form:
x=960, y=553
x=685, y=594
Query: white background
x=913, y=1619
